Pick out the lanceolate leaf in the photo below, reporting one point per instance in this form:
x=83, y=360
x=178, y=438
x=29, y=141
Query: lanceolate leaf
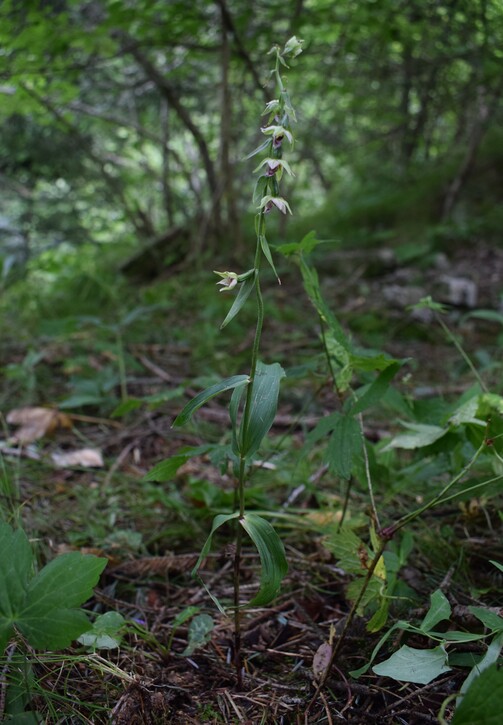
x=218, y=521
x=267, y=254
x=166, y=470
x=203, y=397
x=272, y=557
x=263, y=406
x=376, y=390
x=241, y=297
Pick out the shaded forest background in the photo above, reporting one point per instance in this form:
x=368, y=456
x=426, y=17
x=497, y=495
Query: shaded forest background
x=124, y=124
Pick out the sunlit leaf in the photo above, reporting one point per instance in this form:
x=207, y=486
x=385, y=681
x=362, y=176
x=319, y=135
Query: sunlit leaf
x=421, y=435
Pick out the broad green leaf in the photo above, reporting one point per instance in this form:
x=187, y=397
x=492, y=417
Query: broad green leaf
x=489, y=619
x=420, y=436
x=483, y=703
x=203, y=397
x=345, y=442
x=376, y=390
x=244, y=292
x=16, y=567
x=53, y=628
x=263, y=406
x=420, y=666
x=439, y=610
x=66, y=581
x=490, y=658
x=199, y=633
x=272, y=557
x=6, y=632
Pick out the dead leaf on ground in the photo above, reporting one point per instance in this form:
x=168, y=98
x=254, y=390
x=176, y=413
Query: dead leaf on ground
x=36, y=423
x=84, y=457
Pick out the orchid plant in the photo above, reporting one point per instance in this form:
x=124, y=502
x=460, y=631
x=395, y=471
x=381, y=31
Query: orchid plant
x=254, y=399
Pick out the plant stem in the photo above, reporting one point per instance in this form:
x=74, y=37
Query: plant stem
x=242, y=461
x=436, y=499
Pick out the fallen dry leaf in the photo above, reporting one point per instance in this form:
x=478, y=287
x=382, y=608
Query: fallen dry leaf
x=85, y=457
x=36, y=423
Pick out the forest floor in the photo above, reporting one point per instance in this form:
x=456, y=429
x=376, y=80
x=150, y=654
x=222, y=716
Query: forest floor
x=151, y=533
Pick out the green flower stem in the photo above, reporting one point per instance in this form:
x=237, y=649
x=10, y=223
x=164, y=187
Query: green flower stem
x=242, y=461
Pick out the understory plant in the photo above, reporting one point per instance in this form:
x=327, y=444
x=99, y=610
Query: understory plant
x=254, y=399
x=458, y=445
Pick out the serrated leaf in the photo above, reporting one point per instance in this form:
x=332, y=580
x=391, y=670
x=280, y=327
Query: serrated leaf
x=203, y=397
x=272, y=557
x=420, y=666
x=244, y=292
x=483, y=703
x=345, y=442
x=439, y=610
x=376, y=390
x=263, y=406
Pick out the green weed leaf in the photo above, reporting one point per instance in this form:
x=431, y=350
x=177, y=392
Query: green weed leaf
x=420, y=436
x=376, y=390
x=199, y=634
x=43, y=607
x=272, y=557
x=483, y=702
x=439, y=610
x=263, y=406
x=345, y=442
x=203, y=397
x=105, y=632
x=420, y=666
x=218, y=521
x=166, y=470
